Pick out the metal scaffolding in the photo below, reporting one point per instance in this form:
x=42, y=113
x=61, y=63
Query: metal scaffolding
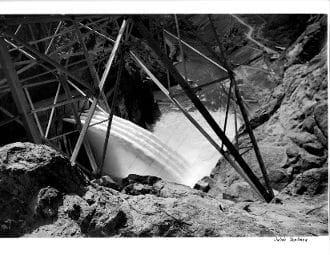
x=58, y=67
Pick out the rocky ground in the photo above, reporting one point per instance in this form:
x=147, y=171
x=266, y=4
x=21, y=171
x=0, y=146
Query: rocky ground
x=41, y=195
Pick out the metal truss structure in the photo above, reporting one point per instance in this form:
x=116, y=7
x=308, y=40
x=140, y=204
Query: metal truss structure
x=57, y=59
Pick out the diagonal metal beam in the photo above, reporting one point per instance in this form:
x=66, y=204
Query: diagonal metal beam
x=17, y=93
x=196, y=51
x=193, y=121
x=101, y=84
x=199, y=105
x=243, y=110
x=47, y=59
x=91, y=67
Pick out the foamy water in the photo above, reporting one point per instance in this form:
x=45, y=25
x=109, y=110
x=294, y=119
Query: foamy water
x=176, y=131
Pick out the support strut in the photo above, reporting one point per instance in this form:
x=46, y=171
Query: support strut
x=205, y=113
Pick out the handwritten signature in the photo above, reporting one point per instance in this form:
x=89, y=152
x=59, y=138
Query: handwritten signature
x=290, y=239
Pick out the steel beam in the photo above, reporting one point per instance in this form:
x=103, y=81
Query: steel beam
x=48, y=60
x=87, y=147
x=18, y=93
x=199, y=105
x=243, y=110
x=101, y=84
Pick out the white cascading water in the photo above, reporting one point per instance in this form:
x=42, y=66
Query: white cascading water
x=132, y=149
x=175, y=150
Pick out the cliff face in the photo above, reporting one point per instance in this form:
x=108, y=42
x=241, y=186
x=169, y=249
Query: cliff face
x=291, y=130
x=41, y=195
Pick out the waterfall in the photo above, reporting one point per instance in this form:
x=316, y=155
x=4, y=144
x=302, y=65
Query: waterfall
x=132, y=149
x=175, y=150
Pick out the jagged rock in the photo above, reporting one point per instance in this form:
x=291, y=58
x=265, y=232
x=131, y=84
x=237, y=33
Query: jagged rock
x=107, y=181
x=290, y=130
x=308, y=44
x=48, y=202
x=88, y=209
x=321, y=118
x=311, y=182
x=134, y=178
x=240, y=191
x=203, y=184
x=26, y=168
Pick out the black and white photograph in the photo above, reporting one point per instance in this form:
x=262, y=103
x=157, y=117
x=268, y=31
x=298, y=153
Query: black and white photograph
x=140, y=125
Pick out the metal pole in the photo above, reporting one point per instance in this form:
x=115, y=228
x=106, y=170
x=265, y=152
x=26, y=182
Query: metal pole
x=101, y=84
x=78, y=122
x=105, y=145
x=53, y=110
x=243, y=111
x=227, y=112
x=198, y=52
x=181, y=48
x=253, y=139
x=167, y=72
x=34, y=113
x=91, y=67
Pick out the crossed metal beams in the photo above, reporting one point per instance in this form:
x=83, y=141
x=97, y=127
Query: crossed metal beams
x=232, y=156
x=21, y=94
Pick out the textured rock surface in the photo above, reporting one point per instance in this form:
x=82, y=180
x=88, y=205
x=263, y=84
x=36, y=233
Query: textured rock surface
x=291, y=129
x=43, y=196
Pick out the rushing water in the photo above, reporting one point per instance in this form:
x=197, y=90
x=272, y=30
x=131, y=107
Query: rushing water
x=177, y=132
x=175, y=150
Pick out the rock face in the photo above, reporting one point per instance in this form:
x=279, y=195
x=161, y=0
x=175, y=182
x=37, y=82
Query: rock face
x=291, y=130
x=43, y=196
